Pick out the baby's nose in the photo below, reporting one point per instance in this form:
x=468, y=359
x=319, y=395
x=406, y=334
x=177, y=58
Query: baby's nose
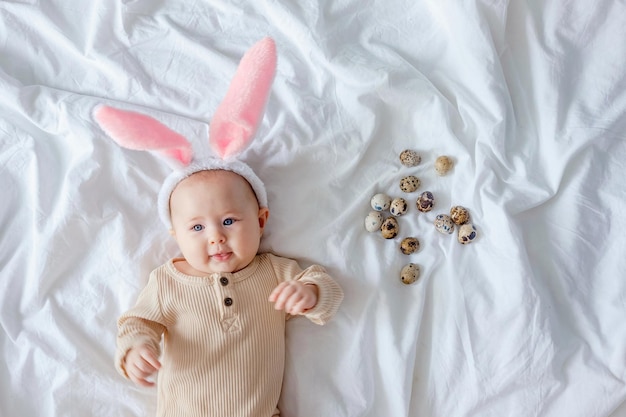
x=216, y=238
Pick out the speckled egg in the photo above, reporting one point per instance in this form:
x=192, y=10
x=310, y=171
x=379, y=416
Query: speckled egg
x=398, y=207
x=373, y=221
x=459, y=215
x=443, y=164
x=425, y=201
x=444, y=224
x=467, y=233
x=410, y=273
x=390, y=228
x=410, y=158
x=381, y=202
x=409, y=184
x=409, y=245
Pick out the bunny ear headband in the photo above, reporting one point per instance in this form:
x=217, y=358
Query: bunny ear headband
x=231, y=129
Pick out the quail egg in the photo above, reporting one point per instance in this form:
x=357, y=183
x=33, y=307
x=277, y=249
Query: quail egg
x=409, y=245
x=410, y=158
x=444, y=224
x=410, y=273
x=373, y=221
x=459, y=215
x=467, y=233
x=425, y=202
x=443, y=164
x=409, y=184
x=380, y=202
x=390, y=228
x=398, y=207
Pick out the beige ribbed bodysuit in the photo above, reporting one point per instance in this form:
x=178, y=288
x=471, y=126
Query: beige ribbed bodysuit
x=223, y=341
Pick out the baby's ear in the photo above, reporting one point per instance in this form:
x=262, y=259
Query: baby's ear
x=264, y=214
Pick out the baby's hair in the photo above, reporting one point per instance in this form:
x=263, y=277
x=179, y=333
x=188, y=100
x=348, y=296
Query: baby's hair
x=207, y=173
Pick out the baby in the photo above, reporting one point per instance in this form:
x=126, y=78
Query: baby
x=224, y=341
x=219, y=311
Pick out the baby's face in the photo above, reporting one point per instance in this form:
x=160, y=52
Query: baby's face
x=216, y=222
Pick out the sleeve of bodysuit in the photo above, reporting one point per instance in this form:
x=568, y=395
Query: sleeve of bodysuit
x=142, y=324
x=330, y=293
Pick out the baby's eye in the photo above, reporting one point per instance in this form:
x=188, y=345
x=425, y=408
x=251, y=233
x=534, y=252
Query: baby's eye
x=197, y=228
x=228, y=222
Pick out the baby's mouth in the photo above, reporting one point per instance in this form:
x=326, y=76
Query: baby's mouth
x=221, y=257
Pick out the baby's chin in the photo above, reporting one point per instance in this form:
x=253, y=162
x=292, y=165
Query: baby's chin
x=222, y=262
x=221, y=267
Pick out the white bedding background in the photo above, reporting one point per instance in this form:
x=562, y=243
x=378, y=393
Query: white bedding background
x=527, y=97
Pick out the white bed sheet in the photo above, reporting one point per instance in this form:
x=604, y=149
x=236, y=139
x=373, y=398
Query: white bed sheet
x=527, y=97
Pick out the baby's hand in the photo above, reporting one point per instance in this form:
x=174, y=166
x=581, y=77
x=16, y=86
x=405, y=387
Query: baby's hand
x=294, y=297
x=140, y=363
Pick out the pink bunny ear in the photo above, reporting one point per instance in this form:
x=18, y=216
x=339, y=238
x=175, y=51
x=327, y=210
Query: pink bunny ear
x=237, y=118
x=142, y=133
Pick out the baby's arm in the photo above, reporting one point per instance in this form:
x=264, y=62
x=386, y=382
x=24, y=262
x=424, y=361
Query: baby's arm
x=139, y=336
x=294, y=297
x=140, y=363
x=310, y=292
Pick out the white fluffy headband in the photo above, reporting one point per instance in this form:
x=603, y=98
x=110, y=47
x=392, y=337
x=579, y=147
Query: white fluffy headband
x=232, y=127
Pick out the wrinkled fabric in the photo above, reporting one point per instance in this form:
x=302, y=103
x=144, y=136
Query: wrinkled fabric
x=527, y=98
